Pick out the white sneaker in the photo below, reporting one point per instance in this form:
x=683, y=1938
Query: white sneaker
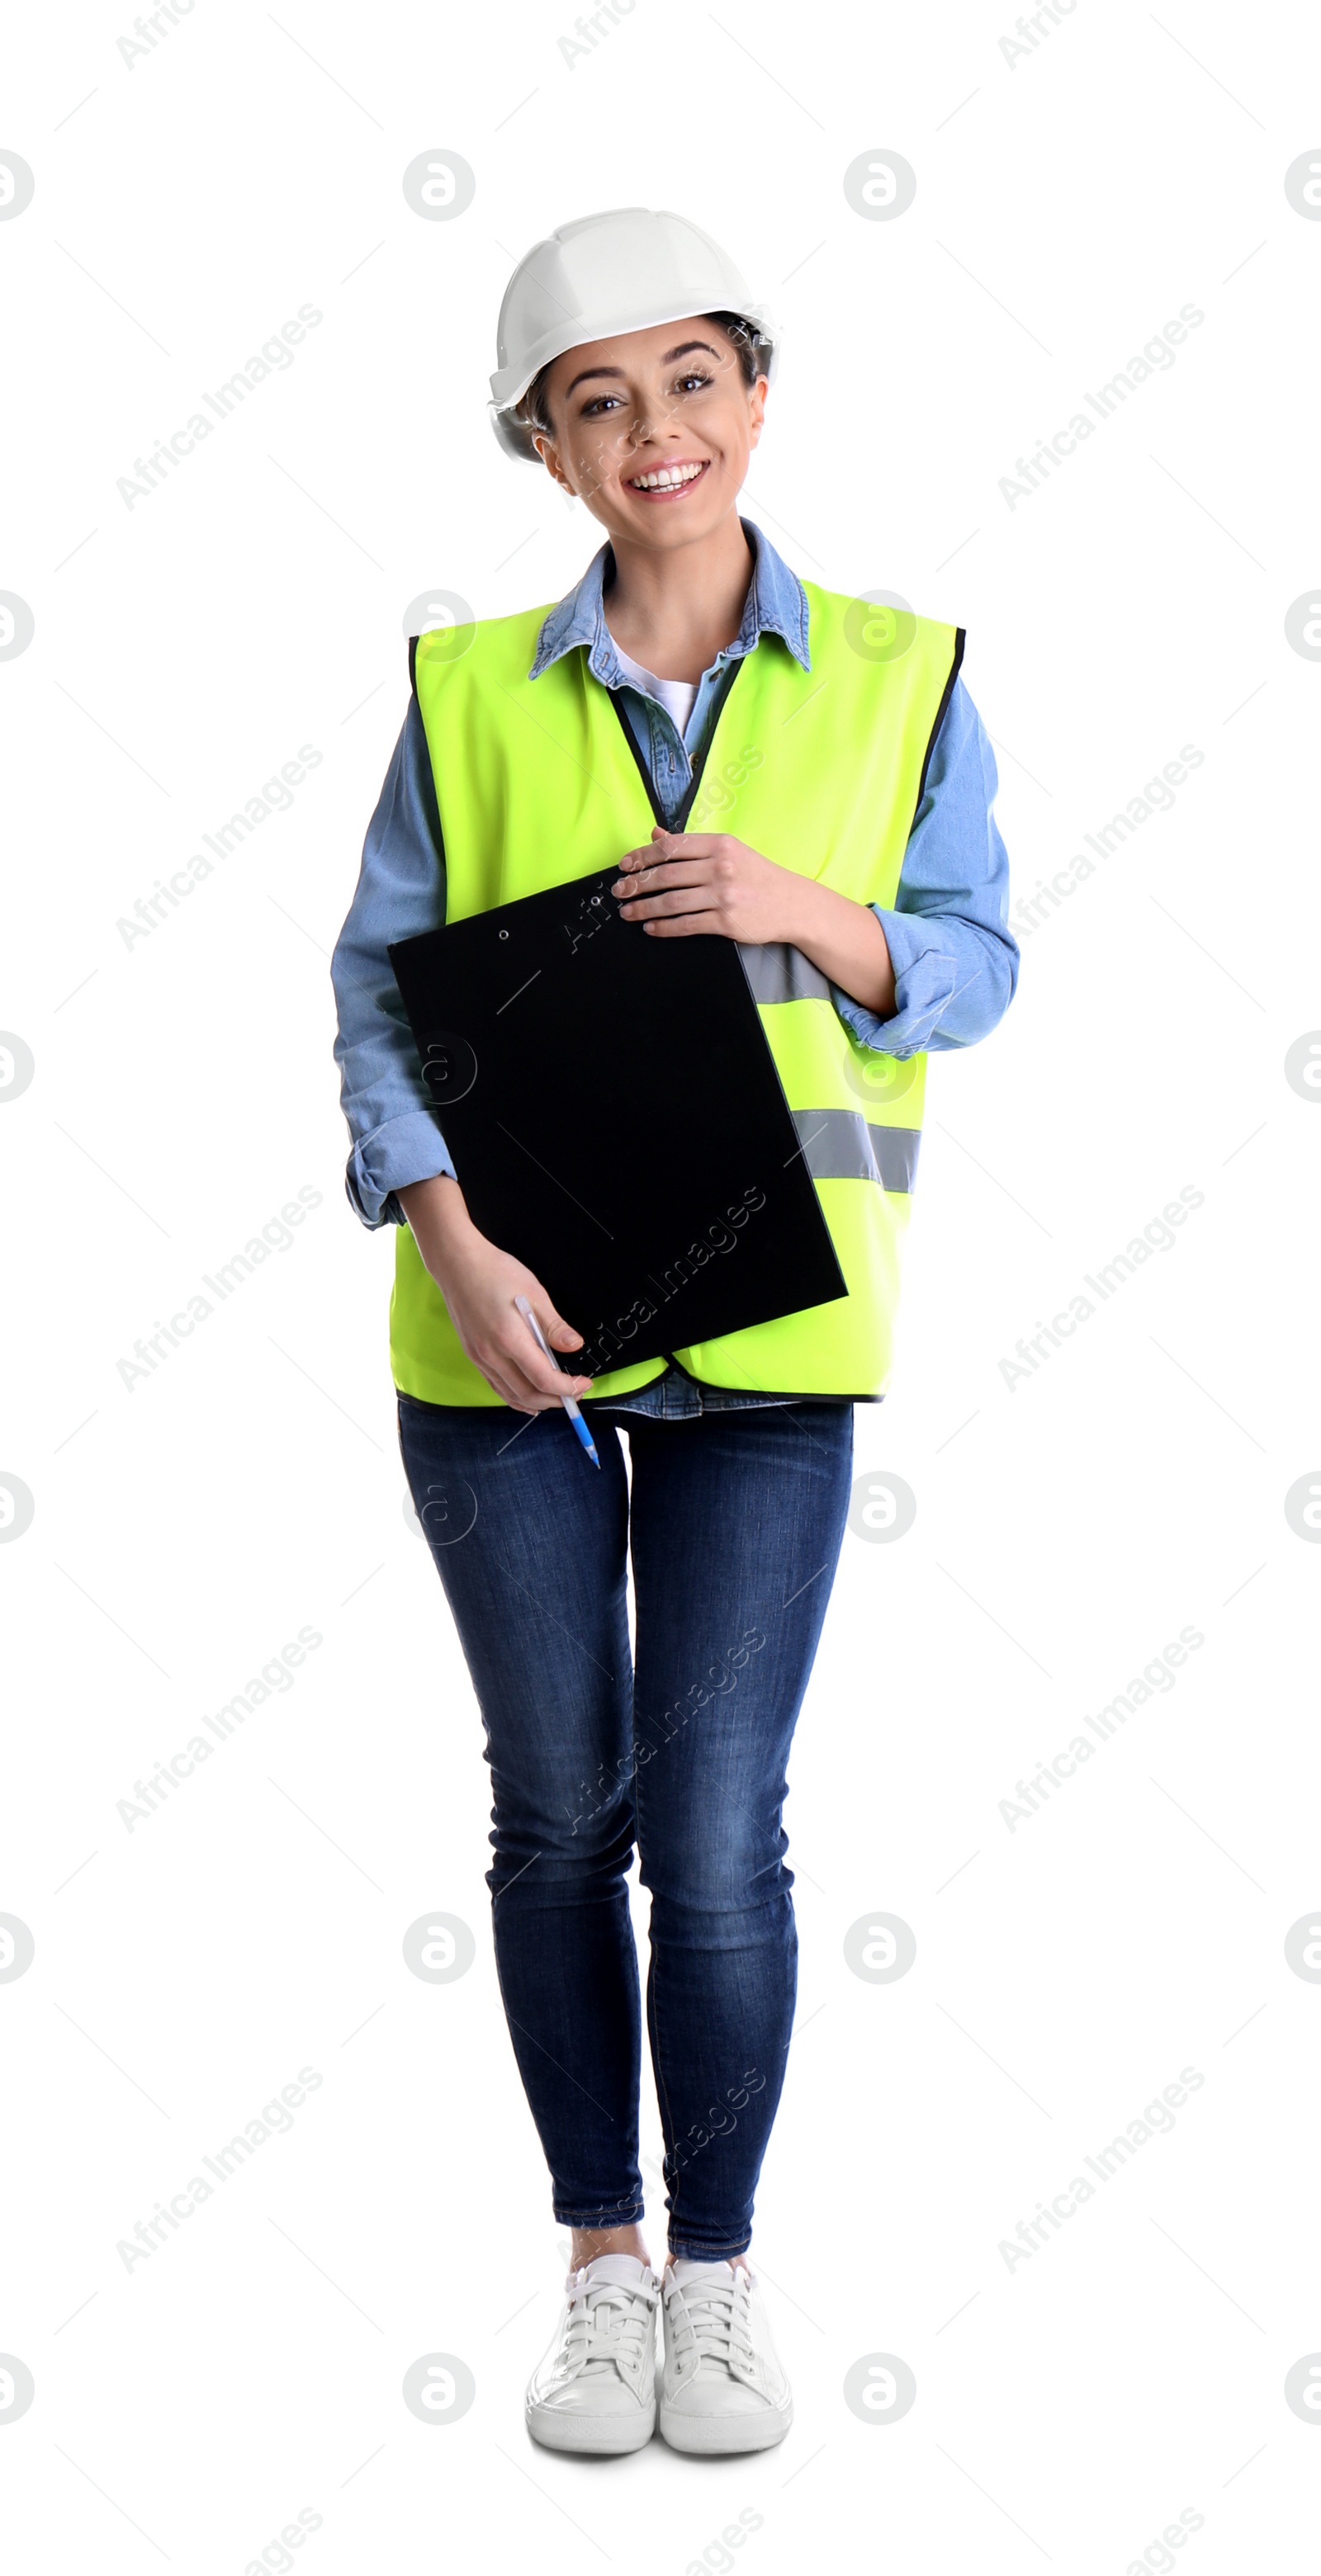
x=724, y=2387
x=596, y=2388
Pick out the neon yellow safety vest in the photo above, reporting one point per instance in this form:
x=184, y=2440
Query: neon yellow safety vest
x=539, y=781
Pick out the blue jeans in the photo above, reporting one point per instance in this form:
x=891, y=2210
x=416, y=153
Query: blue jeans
x=734, y=1528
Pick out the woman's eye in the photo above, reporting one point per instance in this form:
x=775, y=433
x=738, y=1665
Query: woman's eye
x=598, y=404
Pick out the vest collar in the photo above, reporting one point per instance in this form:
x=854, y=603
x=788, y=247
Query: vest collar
x=776, y=604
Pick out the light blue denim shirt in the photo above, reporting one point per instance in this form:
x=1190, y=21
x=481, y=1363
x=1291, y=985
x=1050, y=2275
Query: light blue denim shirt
x=955, y=959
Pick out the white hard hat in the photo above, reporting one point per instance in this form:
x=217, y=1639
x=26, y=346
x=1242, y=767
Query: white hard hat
x=621, y=271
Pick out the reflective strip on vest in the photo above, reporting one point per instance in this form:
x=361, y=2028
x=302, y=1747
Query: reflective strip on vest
x=777, y=973
x=839, y=1145
x=540, y=782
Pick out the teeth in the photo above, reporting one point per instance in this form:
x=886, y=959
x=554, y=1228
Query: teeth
x=667, y=475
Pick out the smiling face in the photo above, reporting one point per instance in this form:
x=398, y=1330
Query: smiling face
x=653, y=430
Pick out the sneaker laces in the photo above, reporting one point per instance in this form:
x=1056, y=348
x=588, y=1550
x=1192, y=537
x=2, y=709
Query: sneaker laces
x=714, y=2317
x=607, y=2327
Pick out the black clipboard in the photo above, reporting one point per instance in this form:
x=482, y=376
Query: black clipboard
x=616, y=1120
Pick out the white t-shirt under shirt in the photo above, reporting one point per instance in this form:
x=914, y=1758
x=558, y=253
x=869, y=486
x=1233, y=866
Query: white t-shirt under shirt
x=676, y=696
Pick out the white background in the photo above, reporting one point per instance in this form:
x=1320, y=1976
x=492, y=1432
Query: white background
x=1068, y=203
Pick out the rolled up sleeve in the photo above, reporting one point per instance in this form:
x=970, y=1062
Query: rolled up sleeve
x=955, y=959
x=395, y=1136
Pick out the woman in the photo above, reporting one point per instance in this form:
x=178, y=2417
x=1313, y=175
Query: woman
x=689, y=678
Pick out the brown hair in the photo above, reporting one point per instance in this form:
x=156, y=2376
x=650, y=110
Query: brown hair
x=748, y=343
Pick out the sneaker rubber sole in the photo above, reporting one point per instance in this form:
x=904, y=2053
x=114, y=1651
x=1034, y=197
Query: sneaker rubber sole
x=557, y=2428
x=711, y=2434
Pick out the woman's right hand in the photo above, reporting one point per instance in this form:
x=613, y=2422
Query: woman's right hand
x=479, y=1283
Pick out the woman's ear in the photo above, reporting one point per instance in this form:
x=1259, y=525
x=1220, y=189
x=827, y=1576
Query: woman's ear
x=549, y=454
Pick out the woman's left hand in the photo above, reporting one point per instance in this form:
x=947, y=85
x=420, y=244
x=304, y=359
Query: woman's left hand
x=711, y=884
x=707, y=883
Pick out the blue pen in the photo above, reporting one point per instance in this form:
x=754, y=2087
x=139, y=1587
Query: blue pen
x=567, y=1401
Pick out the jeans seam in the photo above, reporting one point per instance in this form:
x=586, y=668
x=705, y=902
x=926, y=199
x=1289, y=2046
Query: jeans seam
x=653, y=1987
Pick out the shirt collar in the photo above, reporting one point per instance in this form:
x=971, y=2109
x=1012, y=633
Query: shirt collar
x=776, y=604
